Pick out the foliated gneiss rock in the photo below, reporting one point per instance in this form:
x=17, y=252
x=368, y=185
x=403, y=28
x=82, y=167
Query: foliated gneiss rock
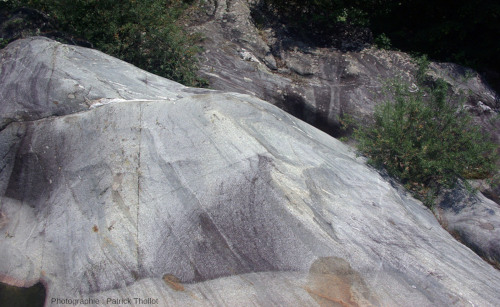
x=206, y=198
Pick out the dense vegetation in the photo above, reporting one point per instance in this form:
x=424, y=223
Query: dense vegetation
x=144, y=33
x=465, y=32
x=422, y=137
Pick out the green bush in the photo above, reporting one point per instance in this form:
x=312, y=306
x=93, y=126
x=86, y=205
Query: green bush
x=422, y=138
x=3, y=43
x=383, y=42
x=144, y=33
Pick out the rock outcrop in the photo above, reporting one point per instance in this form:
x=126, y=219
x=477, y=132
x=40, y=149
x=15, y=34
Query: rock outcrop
x=179, y=197
x=317, y=85
x=473, y=219
x=58, y=84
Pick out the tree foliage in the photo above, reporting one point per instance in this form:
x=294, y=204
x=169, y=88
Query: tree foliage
x=145, y=33
x=421, y=137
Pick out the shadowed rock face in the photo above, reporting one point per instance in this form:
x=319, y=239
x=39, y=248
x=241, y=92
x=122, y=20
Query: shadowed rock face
x=207, y=198
x=473, y=219
x=314, y=84
x=25, y=22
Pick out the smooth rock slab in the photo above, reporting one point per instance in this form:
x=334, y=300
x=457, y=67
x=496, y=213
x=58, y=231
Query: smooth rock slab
x=218, y=199
x=157, y=191
x=41, y=78
x=320, y=85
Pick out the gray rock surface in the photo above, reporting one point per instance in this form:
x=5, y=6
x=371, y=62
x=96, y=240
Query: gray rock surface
x=319, y=85
x=473, y=219
x=43, y=79
x=315, y=84
x=206, y=199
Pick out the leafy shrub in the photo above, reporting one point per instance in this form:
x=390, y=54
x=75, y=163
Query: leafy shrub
x=382, y=41
x=422, y=138
x=144, y=33
x=3, y=43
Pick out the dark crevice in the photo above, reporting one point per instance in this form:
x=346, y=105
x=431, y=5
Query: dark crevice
x=22, y=297
x=297, y=106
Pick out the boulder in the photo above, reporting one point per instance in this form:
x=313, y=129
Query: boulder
x=176, y=196
x=473, y=219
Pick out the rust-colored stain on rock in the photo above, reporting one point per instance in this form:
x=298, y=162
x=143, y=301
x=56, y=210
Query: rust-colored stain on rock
x=487, y=226
x=3, y=220
x=95, y=228
x=173, y=282
x=332, y=283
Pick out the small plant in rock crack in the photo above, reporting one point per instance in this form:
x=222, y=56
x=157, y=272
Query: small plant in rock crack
x=426, y=140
